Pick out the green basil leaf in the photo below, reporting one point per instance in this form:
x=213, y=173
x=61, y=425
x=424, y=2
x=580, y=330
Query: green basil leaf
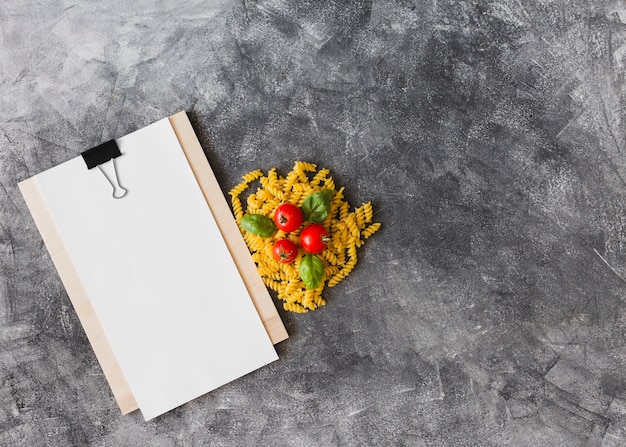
x=258, y=224
x=316, y=206
x=311, y=271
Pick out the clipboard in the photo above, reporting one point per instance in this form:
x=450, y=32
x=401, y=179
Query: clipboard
x=228, y=228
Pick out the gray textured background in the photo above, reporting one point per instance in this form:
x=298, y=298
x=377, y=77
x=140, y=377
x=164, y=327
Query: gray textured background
x=489, y=135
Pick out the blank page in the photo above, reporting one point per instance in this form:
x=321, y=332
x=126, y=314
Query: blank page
x=157, y=271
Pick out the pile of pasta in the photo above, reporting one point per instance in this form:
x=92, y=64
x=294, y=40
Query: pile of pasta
x=347, y=229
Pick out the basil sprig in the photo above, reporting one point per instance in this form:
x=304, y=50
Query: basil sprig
x=258, y=224
x=316, y=206
x=311, y=271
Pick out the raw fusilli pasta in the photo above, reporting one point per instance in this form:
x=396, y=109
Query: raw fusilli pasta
x=348, y=230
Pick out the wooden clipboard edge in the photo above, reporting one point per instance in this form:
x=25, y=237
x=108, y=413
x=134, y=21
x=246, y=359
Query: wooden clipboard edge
x=228, y=226
x=76, y=291
x=78, y=296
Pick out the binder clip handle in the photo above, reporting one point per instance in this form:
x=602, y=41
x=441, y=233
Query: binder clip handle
x=103, y=157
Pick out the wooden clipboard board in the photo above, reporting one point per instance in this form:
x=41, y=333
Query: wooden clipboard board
x=230, y=232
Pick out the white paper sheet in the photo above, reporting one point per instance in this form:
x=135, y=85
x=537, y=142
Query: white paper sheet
x=159, y=275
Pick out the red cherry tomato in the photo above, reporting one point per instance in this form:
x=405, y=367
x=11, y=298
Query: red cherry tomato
x=285, y=251
x=288, y=217
x=314, y=238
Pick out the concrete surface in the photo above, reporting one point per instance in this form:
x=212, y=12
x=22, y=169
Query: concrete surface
x=490, y=137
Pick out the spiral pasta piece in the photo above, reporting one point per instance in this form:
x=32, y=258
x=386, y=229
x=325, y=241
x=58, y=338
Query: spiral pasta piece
x=251, y=176
x=294, y=307
x=302, y=166
x=369, y=231
x=319, y=177
x=348, y=230
x=237, y=209
x=237, y=190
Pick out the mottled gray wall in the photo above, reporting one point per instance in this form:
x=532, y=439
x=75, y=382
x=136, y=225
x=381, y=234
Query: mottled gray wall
x=490, y=137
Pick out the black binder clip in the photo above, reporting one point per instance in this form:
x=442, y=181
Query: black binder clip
x=103, y=157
